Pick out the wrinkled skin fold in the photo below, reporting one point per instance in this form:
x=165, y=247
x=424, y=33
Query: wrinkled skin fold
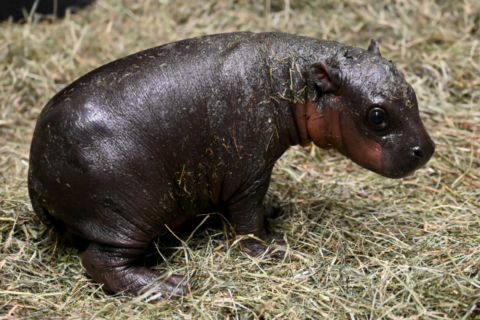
x=142, y=144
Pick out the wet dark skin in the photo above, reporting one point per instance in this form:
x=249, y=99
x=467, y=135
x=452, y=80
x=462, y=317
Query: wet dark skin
x=142, y=144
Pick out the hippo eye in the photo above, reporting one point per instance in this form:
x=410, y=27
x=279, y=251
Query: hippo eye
x=377, y=118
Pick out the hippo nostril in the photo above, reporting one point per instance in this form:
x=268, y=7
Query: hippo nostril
x=417, y=152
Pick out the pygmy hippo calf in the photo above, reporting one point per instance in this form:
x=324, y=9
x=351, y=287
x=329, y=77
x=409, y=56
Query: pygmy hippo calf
x=142, y=144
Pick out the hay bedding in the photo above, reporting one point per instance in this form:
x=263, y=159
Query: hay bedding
x=361, y=246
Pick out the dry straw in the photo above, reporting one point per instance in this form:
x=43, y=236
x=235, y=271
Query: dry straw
x=360, y=246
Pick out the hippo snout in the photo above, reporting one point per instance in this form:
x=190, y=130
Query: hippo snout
x=423, y=153
x=406, y=161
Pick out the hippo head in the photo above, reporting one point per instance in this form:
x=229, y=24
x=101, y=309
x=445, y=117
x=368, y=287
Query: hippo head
x=368, y=112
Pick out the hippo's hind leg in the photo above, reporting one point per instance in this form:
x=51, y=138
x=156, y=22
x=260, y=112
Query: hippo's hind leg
x=246, y=213
x=114, y=268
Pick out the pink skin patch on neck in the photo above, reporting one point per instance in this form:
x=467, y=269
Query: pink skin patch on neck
x=328, y=129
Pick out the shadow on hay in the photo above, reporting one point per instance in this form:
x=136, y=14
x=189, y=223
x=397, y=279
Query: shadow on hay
x=17, y=9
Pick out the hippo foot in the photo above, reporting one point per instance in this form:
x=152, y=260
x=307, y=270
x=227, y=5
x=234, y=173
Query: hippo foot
x=112, y=267
x=272, y=212
x=173, y=287
x=256, y=248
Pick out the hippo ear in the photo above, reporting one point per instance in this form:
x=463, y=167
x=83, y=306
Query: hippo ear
x=374, y=47
x=327, y=79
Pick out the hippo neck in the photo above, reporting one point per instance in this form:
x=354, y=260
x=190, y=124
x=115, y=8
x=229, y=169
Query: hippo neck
x=291, y=56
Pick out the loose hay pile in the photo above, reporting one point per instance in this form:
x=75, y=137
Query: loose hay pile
x=360, y=246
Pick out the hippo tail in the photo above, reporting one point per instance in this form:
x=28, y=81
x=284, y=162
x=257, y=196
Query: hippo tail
x=37, y=197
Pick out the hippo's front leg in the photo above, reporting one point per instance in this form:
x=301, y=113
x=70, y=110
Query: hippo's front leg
x=246, y=213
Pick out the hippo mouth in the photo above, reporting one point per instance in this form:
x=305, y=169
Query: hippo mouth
x=406, y=163
x=390, y=163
